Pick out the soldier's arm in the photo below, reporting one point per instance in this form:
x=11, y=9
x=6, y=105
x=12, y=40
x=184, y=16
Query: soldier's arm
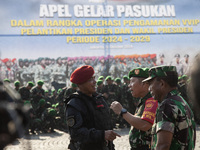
x=164, y=140
x=137, y=122
x=143, y=123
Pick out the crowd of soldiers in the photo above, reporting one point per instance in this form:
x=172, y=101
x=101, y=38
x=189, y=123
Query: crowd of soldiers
x=56, y=72
x=47, y=108
x=51, y=77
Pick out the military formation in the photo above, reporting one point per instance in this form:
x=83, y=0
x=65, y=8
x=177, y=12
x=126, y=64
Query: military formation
x=55, y=73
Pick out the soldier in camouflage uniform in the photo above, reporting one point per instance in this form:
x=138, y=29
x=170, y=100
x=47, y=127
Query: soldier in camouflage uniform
x=27, y=74
x=37, y=93
x=174, y=126
x=100, y=86
x=43, y=73
x=127, y=100
x=59, y=75
x=62, y=96
x=101, y=68
x=53, y=96
x=49, y=119
x=7, y=70
x=47, y=97
x=110, y=95
x=142, y=121
x=25, y=91
x=17, y=86
x=69, y=69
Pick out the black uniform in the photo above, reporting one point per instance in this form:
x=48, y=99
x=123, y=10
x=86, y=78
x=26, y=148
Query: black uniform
x=87, y=120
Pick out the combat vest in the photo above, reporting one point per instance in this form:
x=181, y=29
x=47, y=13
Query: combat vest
x=95, y=112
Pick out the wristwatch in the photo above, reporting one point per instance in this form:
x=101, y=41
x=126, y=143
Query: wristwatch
x=123, y=111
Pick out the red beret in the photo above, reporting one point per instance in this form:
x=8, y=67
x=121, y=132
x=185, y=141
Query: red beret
x=5, y=60
x=13, y=59
x=82, y=74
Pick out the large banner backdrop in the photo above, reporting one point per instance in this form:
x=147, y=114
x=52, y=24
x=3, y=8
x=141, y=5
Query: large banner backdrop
x=48, y=39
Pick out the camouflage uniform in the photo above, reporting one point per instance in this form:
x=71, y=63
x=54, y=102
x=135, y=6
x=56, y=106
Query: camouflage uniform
x=36, y=95
x=66, y=92
x=27, y=74
x=25, y=93
x=110, y=90
x=101, y=69
x=127, y=99
x=138, y=138
x=43, y=73
x=174, y=115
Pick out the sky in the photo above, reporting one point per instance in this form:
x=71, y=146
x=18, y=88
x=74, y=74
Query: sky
x=13, y=45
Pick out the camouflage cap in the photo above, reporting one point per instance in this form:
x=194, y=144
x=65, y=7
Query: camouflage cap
x=159, y=71
x=108, y=77
x=31, y=84
x=40, y=82
x=99, y=82
x=139, y=72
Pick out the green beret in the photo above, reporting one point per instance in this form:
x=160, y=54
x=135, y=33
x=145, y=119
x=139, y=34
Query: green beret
x=42, y=102
x=40, y=82
x=74, y=85
x=139, y=72
x=55, y=105
x=52, y=112
x=125, y=77
x=184, y=77
x=99, y=82
x=160, y=71
x=6, y=80
x=108, y=77
x=180, y=78
x=59, y=90
x=17, y=83
x=118, y=80
x=101, y=78
x=31, y=84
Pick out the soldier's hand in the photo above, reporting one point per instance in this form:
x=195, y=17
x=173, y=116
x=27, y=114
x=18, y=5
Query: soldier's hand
x=116, y=107
x=110, y=135
x=105, y=95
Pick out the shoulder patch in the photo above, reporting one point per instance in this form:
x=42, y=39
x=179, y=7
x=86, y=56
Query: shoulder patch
x=70, y=121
